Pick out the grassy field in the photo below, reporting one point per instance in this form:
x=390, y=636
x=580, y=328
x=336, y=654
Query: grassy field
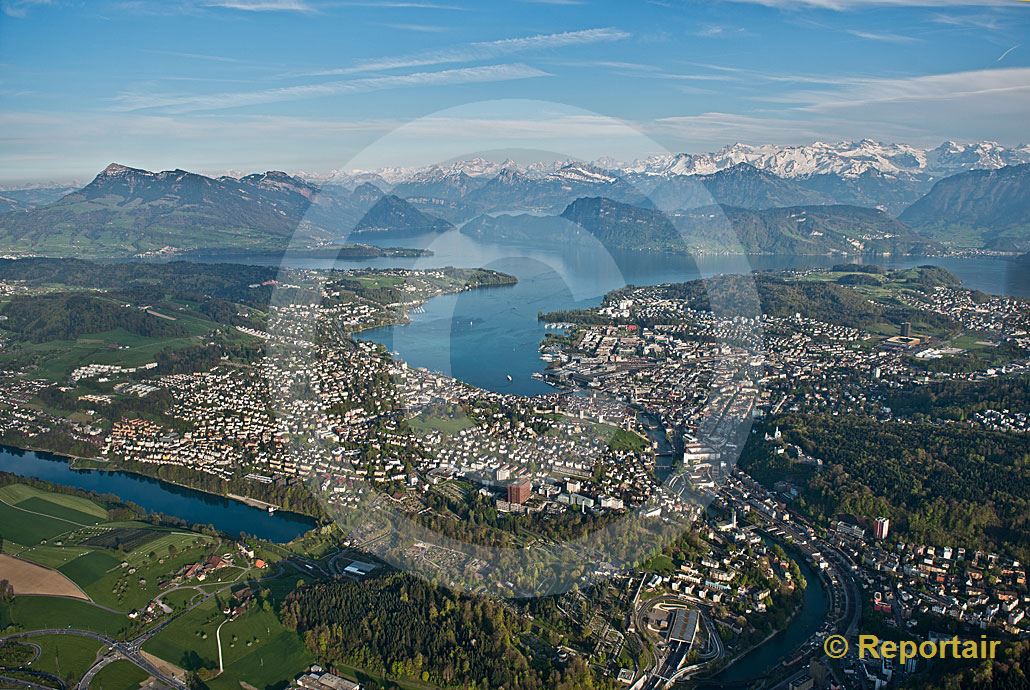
x=52, y=508
x=16, y=493
x=90, y=567
x=58, y=358
x=180, y=598
x=121, y=675
x=256, y=648
x=55, y=612
x=26, y=529
x=189, y=641
x=973, y=341
x=47, y=555
x=378, y=281
x=443, y=423
x=32, y=579
x=29, y=516
x=66, y=656
x=269, y=664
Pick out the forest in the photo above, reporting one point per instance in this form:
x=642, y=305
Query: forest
x=404, y=627
x=945, y=484
x=68, y=316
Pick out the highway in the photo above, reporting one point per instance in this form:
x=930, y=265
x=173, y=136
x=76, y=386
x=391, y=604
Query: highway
x=130, y=650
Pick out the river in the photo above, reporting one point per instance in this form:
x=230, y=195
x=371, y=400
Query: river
x=197, y=507
x=806, y=623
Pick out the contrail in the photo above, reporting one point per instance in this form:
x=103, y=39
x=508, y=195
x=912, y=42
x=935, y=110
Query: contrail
x=1007, y=52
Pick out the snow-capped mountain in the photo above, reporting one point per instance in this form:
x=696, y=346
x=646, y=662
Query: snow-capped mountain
x=583, y=172
x=846, y=159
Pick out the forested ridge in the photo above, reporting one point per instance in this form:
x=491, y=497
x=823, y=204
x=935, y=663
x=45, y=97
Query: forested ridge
x=67, y=316
x=404, y=627
x=944, y=484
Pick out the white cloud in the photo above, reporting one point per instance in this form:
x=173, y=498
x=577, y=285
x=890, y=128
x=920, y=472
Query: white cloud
x=731, y=127
x=1006, y=53
x=719, y=31
x=1004, y=87
x=858, y=4
x=20, y=8
x=882, y=37
x=968, y=21
x=261, y=5
x=484, y=50
x=187, y=103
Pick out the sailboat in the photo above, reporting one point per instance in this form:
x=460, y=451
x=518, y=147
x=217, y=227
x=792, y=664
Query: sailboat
x=509, y=378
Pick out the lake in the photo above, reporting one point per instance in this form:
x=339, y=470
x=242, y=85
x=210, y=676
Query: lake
x=484, y=336
x=480, y=336
x=196, y=507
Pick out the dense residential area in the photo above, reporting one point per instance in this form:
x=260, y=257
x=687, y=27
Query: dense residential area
x=297, y=412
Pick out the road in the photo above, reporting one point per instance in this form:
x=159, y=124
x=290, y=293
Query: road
x=843, y=617
x=129, y=650
x=132, y=650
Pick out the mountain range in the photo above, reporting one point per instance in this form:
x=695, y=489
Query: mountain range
x=989, y=206
x=127, y=211
x=825, y=229
x=847, y=159
x=845, y=198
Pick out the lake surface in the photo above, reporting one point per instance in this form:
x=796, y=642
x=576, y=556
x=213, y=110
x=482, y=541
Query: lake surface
x=484, y=336
x=196, y=507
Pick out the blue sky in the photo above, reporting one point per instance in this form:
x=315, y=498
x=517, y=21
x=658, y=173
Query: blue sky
x=217, y=85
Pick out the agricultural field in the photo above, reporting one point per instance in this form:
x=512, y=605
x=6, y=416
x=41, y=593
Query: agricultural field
x=120, y=675
x=118, y=565
x=256, y=648
x=31, y=579
x=46, y=554
x=126, y=581
x=29, y=516
x=66, y=656
x=62, y=545
x=34, y=613
x=124, y=538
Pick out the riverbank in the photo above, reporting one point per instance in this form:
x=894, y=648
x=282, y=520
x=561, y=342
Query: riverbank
x=155, y=494
x=83, y=463
x=768, y=655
